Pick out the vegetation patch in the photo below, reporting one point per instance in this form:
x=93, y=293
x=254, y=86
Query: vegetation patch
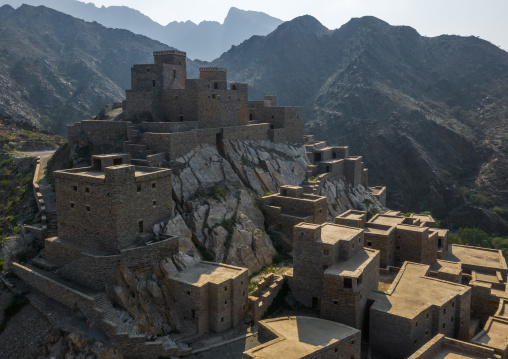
x=478, y=238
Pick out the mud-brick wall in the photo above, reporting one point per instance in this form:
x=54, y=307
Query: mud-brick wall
x=168, y=127
x=191, y=300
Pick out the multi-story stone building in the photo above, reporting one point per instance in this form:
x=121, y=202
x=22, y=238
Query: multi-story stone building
x=333, y=272
x=443, y=347
x=165, y=114
x=415, y=309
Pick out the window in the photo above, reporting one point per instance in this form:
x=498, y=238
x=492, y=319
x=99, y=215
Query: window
x=87, y=190
x=453, y=304
x=326, y=252
x=117, y=161
x=273, y=117
x=193, y=313
x=147, y=69
x=226, y=301
x=180, y=118
x=153, y=83
x=369, y=244
x=174, y=73
x=139, y=188
x=336, y=350
x=176, y=97
x=188, y=292
x=325, y=267
x=233, y=87
x=225, y=289
x=75, y=188
x=416, y=340
x=140, y=226
x=348, y=282
x=398, y=247
x=241, y=283
x=444, y=325
x=154, y=185
x=352, y=341
x=154, y=203
x=451, y=319
x=222, y=319
x=215, y=85
x=72, y=204
x=426, y=332
x=416, y=324
x=444, y=311
x=336, y=302
x=88, y=208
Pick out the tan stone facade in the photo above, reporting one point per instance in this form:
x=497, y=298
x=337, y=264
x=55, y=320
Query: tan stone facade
x=332, y=271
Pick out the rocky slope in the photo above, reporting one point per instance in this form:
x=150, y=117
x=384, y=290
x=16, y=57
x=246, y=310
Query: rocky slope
x=428, y=114
x=55, y=69
x=205, y=41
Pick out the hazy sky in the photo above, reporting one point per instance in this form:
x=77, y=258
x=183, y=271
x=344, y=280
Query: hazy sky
x=487, y=19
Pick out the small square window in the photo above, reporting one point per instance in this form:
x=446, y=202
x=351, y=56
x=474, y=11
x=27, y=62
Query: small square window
x=453, y=304
x=398, y=247
x=188, y=292
x=336, y=302
x=72, y=205
x=326, y=252
x=154, y=185
x=444, y=325
x=444, y=311
x=241, y=282
x=226, y=301
x=426, y=332
x=87, y=190
x=154, y=203
x=225, y=289
x=139, y=188
x=222, y=319
x=369, y=244
x=75, y=188
x=336, y=350
x=88, y=208
x=325, y=267
x=352, y=341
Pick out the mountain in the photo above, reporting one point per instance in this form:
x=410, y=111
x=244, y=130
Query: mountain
x=428, y=114
x=55, y=69
x=206, y=40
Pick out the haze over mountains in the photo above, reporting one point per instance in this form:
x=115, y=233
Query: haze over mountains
x=205, y=41
x=428, y=114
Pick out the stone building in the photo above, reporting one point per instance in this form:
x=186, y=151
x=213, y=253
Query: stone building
x=166, y=115
x=210, y=297
x=444, y=347
x=403, y=239
x=495, y=333
x=333, y=272
x=415, y=309
x=112, y=203
x=305, y=337
x=291, y=206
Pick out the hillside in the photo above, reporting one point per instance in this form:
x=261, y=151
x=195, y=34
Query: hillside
x=55, y=69
x=428, y=114
x=205, y=41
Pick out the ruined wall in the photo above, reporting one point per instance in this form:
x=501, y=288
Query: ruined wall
x=263, y=297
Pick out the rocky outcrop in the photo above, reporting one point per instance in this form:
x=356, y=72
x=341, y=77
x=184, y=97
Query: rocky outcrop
x=218, y=193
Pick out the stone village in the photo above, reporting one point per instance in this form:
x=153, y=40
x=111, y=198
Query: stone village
x=390, y=281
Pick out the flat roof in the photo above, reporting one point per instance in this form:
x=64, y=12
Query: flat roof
x=354, y=266
x=503, y=308
x=441, y=347
x=494, y=335
x=412, y=228
x=477, y=256
x=412, y=292
x=386, y=219
x=446, y=266
x=353, y=215
x=206, y=272
x=332, y=233
x=299, y=337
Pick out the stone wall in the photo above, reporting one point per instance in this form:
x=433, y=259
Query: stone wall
x=100, y=135
x=262, y=298
x=95, y=271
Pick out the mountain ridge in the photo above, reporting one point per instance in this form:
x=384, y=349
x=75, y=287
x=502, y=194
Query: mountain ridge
x=206, y=40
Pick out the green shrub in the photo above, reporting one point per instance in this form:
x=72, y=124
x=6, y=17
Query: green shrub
x=2, y=264
x=502, y=211
x=479, y=199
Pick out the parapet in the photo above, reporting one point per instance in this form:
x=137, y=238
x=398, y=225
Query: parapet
x=213, y=73
x=173, y=57
x=352, y=218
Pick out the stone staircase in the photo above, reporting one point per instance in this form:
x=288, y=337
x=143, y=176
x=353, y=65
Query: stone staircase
x=141, y=155
x=125, y=335
x=51, y=223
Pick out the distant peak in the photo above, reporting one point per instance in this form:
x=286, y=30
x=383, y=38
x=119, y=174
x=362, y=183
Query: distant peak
x=305, y=23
